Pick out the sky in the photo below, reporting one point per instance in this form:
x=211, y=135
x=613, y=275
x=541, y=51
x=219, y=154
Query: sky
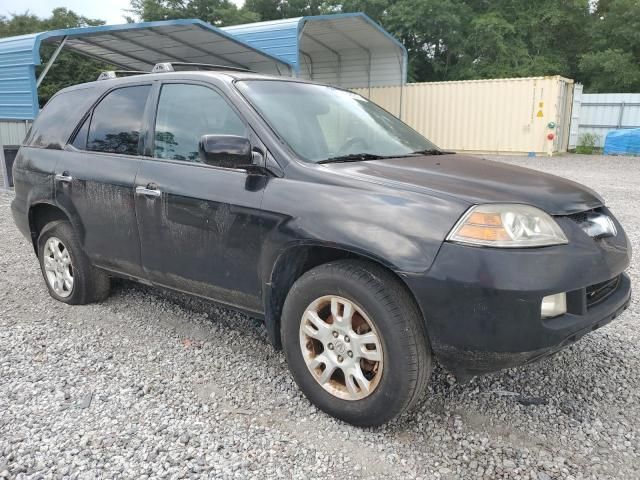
x=109, y=10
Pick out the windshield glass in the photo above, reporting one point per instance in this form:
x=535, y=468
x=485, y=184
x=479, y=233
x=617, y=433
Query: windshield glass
x=322, y=123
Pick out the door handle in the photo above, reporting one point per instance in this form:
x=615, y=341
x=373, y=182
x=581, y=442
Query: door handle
x=148, y=192
x=63, y=177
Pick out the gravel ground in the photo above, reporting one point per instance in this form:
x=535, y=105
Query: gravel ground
x=157, y=385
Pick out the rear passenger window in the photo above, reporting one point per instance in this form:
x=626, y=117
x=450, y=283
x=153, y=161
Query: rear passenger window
x=117, y=120
x=185, y=113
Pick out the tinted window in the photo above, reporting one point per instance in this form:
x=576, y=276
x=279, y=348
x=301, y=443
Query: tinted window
x=117, y=121
x=185, y=113
x=58, y=118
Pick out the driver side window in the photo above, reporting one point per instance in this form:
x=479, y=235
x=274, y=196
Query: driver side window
x=185, y=113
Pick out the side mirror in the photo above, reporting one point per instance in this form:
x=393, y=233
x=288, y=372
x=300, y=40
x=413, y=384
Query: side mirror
x=229, y=151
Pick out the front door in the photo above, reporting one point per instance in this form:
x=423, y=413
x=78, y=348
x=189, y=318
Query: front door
x=200, y=225
x=95, y=180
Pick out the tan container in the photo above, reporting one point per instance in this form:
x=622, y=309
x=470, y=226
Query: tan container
x=485, y=116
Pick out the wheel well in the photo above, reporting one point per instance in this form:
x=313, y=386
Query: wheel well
x=291, y=266
x=39, y=216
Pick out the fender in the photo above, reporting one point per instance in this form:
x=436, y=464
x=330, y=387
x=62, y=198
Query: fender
x=401, y=229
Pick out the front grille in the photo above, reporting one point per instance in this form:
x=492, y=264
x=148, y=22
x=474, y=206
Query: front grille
x=579, y=217
x=600, y=291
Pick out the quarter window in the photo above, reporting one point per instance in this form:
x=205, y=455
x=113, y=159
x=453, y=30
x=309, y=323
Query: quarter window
x=117, y=120
x=185, y=113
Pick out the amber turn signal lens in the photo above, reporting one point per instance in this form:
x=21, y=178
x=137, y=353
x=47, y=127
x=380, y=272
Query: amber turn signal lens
x=484, y=233
x=482, y=218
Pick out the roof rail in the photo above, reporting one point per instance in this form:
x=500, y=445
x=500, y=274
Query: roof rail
x=171, y=67
x=109, y=74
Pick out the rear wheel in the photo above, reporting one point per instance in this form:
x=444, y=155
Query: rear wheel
x=66, y=269
x=355, y=342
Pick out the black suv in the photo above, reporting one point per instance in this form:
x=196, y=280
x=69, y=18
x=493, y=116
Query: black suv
x=367, y=251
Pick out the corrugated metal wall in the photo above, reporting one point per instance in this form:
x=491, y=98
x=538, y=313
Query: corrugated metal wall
x=501, y=116
x=18, y=97
x=600, y=113
x=347, y=50
x=13, y=132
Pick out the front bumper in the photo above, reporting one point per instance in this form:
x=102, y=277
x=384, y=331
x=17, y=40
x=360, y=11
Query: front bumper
x=482, y=305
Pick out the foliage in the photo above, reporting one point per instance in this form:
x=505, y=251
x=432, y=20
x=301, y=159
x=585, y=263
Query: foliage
x=612, y=64
x=217, y=12
x=587, y=143
x=596, y=43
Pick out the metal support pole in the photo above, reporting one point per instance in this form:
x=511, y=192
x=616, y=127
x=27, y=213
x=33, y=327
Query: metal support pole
x=620, y=116
x=402, y=74
x=50, y=62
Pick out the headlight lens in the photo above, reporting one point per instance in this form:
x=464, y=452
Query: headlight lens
x=508, y=226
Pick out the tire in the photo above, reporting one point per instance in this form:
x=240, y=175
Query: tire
x=377, y=299
x=87, y=284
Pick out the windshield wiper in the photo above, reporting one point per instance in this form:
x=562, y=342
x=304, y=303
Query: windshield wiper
x=432, y=151
x=353, y=157
x=359, y=157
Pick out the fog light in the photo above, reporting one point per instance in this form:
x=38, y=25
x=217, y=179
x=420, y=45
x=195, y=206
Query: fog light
x=553, y=305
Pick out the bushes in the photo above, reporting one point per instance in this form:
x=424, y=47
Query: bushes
x=588, y=143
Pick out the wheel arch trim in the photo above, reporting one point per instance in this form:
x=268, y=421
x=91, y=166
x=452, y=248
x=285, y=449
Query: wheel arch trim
x=51, y=206
x=284, y=272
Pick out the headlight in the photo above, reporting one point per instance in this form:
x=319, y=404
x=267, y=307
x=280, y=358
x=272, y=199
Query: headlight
x=508, y=226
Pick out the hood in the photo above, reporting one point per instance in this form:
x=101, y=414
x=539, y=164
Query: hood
x=476, y=181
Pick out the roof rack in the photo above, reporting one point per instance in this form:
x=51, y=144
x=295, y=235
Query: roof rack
x=171, y=67
x=109, y=74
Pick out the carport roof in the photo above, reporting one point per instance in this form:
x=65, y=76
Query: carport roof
x=133, y=46
x=142, y=45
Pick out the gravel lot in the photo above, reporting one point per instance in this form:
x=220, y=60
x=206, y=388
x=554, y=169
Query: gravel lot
x=157, y=385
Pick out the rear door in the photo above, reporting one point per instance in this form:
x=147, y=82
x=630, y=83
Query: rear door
x=94, y=180
x=200, y=225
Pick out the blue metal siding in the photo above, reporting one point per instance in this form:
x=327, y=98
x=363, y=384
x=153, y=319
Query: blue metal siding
x=279, y=37
x=18, y=97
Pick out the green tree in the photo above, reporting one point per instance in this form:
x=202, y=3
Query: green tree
x=216, y=12
x=613, y=64
x=433, y=32
x=279, y=9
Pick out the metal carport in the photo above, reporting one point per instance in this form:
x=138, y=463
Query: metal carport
x=349, y=50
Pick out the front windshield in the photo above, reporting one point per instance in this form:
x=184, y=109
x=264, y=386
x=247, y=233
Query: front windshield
x=322, y=123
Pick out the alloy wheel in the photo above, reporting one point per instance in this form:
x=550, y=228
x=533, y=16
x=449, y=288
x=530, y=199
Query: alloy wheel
x=341, y=347
x=58, y=267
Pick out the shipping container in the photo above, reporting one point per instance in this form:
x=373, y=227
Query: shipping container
x=512, y=116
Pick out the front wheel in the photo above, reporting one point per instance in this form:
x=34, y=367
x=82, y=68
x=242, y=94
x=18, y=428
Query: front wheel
x=355, y=342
